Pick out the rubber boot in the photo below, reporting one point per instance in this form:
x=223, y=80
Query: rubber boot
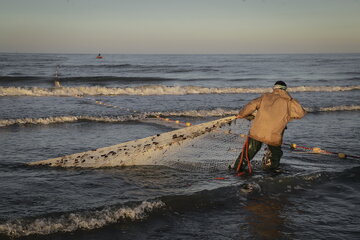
x=271, y=159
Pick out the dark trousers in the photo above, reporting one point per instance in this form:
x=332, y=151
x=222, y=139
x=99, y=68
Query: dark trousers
x=270, y=161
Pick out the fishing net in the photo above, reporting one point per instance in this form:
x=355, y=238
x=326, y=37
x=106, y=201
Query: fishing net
x=213, y=151
x=208, y=146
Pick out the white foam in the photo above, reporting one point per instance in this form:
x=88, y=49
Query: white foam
x=219, y=112
x=339, y=108
x=147, y=90
x=75, y=221
x=64, y=119
x=323, y=88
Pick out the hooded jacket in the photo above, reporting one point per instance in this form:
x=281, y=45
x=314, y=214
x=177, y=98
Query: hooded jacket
x=274, y=111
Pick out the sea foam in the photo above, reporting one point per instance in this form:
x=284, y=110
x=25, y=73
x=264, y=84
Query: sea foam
x=147, y=90
x=75, y=221
x=219, y=112
x=66, y=119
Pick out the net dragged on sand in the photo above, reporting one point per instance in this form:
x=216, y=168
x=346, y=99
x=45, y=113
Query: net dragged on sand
x=210, y=145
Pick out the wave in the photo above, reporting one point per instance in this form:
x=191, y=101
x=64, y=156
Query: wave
x=70, y=222
x=357, y=73
x=150, y=67
x=102, y=79
x=223, y=195
x=67, y=119
x=18, y=77
x=334, y=109
x=219, y=112
x=147, y=90
x=98, y=218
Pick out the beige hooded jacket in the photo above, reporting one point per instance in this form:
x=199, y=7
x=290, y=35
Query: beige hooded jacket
x=274, y=111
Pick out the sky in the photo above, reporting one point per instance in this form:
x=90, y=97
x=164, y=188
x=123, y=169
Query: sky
x=180, y=26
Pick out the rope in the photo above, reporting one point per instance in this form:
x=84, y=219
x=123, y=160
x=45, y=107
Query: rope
x=295, y=147
x=246, y=150
x=187, y=124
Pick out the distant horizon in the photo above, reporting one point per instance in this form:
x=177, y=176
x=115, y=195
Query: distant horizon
x=104, y=54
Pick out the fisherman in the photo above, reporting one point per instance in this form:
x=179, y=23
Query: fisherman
x=56, y=80
x=273, y=111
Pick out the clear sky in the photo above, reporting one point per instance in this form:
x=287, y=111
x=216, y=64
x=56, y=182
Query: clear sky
x=180, y=26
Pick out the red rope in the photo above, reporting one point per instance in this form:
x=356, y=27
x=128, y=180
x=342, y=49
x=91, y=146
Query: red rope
x=245, y=151
x=241, y=157
x=247, y=158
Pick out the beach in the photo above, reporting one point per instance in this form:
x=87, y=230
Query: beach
x=104, y=102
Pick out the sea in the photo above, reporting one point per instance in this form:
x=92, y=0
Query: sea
x=53, y=105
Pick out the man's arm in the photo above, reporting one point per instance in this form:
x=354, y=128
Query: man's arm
x=249, y=108
x=296, y=110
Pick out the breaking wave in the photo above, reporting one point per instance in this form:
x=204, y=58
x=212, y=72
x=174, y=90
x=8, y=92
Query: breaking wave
x=219, y=112
x=334, y=109
x=95, y=219
x=154, y=90
x=66, y=119
x=78, y=221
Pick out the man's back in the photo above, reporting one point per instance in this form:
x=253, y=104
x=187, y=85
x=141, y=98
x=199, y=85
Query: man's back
x=274, y=111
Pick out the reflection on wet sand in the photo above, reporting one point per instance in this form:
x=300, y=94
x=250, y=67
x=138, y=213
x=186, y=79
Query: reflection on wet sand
x=265, y=218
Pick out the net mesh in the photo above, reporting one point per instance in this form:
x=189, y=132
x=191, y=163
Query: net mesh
x=213, y=151
x=209, y=146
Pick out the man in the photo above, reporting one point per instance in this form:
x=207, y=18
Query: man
x=274, y=111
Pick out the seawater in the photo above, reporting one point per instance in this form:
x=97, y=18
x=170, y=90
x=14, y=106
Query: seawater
x=317, y=197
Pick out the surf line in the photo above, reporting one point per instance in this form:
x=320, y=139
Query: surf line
x=185, y=124
x=58, y=85
x=293, y=146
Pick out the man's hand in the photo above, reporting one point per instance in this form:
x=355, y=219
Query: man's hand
x=249, y=117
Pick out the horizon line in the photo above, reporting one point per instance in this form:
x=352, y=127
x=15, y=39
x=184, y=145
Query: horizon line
x=95, y=53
